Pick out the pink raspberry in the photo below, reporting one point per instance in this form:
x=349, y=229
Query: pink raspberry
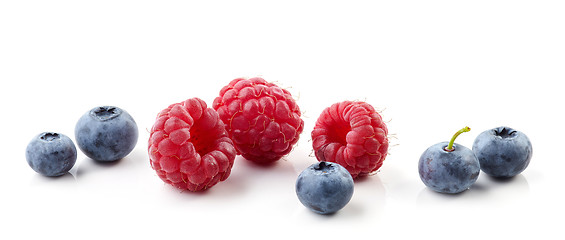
x=189, y=147
x=262, y=119
x=353, y=135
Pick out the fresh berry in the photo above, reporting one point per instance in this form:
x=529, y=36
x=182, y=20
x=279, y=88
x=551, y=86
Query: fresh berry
x=189, y=146
x=51, y=154
x=448, y=167
x=261, y=118
x=352, y=134
x=503, y=152
x=324, y=187
x=106, y=133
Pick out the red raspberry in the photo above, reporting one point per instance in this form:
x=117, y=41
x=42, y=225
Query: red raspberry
x=353, y=135
x=189, y=146
x=262, y=119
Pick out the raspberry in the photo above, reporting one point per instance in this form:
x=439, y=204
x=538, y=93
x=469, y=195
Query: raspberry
x=262, y=119
x=189, y=147
x=353, y=135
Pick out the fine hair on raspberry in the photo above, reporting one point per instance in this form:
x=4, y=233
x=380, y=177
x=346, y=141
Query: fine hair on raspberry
x=262, y=119
x=189, y=146
x=352, y=134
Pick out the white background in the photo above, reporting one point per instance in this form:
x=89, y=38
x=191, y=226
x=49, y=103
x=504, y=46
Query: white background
x=431, y=67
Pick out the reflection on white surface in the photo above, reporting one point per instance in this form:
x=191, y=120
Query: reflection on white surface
x=39, y=180
x=369, y=199
x=486, y=190
x=135, y=160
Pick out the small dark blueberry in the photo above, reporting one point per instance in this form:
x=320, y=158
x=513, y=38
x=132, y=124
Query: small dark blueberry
x=324, y=187
x=51, y=154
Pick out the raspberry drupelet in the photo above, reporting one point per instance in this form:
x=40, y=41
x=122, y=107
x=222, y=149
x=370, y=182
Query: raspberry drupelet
x=189, y=147
x=262, y=119
x=352, y=134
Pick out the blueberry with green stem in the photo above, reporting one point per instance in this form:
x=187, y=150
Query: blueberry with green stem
x=448, y=167
x=503, y=152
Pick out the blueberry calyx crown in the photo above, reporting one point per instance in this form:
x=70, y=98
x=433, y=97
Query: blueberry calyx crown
x=105, y=113
x=504, y=132
x=49, y=136
x=324, y=167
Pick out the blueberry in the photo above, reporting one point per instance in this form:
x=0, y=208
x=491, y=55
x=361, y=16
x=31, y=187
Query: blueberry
x=503, y=152
x=448, y=172
x=324, y=187
x=51, y=154
x=448, y=167
x=106, y=133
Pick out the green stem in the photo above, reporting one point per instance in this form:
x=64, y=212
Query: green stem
x=449, y=147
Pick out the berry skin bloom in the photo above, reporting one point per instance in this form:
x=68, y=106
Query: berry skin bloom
x=262, y=119
x=51, y=154
x=353, y=135
x=189, y=147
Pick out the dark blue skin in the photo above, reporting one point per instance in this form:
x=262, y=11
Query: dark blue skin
x=51, y=154
x=106, y=133
x=448, y=172
x=503, y=152
x=324, y=187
